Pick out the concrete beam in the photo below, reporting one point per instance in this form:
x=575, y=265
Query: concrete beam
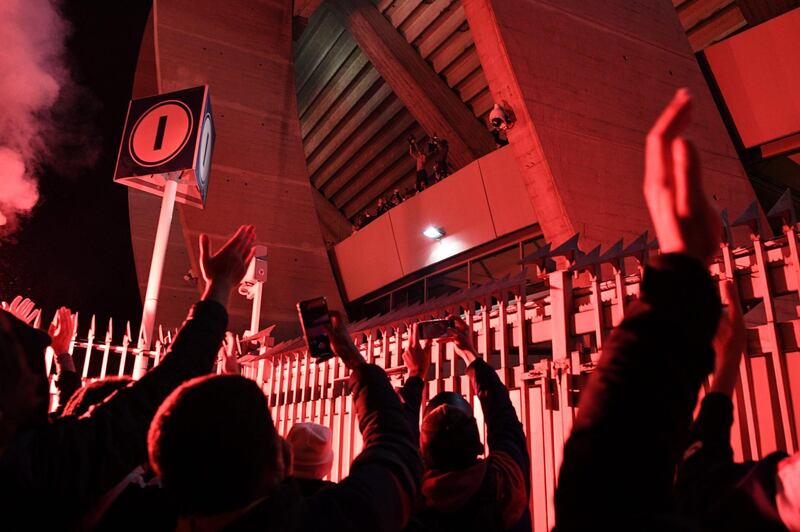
x=586, y=79
x=244, y=53
x=432, y=103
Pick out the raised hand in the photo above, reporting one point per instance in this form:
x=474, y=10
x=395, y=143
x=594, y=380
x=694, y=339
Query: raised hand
x=342, y=344
x=461, y=336
x=61, y=330
x=24, y=309
x=231, y=353
x=684, y=220
x=224, y=269
x=729, y=343
x=417, y=356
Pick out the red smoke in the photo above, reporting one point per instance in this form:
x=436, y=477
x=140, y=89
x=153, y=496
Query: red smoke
x=31, y=76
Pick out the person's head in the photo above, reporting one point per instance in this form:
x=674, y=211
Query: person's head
x=449, y=438
x=23, y=384
x=93, y=394
x=312, y=450
x=214, y=446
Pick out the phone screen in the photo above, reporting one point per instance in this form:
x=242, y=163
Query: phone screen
x=434, y=328
x=315, y=319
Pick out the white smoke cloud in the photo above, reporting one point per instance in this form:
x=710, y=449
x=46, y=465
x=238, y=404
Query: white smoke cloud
x=32, y=73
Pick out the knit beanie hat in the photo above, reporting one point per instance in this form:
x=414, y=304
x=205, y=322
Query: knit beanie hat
x=312, y=450
x=449, y=439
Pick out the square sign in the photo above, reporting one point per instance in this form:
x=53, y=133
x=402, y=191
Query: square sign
x=169, y=134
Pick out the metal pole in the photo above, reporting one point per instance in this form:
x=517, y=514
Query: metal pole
x=255, y=317
x=157, y=262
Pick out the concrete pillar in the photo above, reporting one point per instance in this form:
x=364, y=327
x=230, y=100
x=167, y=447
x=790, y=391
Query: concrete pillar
x=243, y=51
x=586, y=79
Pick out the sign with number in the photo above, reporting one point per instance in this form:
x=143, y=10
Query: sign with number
x=169, y=136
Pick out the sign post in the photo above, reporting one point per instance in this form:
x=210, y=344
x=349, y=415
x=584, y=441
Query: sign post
x=166, y=150
x=159, y=256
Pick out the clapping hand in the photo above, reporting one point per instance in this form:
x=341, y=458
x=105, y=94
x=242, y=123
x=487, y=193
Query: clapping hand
x=23, y=309
x=684, y=220
x=224, y=269
x=61, y=330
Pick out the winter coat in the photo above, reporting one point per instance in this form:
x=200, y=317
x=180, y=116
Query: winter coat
x=635, y=412
x=50, y=473
x=383, y=482
x=492, y=494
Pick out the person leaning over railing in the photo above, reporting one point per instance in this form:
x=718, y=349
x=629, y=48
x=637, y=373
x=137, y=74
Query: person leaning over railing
x=460, y=491
x=710, y=487
x=634, y=414
x=51, y=473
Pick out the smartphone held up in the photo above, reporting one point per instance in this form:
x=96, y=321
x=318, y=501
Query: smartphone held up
x=315, y=321
x=433, y=329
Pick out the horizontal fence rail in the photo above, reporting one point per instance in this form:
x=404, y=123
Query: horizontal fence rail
x=543, y=342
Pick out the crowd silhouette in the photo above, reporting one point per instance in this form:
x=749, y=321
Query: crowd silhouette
x=184, y=448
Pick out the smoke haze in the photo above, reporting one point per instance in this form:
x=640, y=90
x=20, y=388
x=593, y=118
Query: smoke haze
x=32, y=74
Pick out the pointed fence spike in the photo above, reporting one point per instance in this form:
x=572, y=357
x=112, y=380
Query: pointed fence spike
x=569, y=249
x=537, y=256
x=751, y=217
x=637, y=246
x=613, y=253
x=726, y=226
x=587, y=261
x=141, y=341
x=784, y=209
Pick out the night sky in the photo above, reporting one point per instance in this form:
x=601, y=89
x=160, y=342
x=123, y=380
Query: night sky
x=75, y=249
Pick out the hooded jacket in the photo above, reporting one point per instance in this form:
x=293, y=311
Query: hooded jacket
x=492, y=494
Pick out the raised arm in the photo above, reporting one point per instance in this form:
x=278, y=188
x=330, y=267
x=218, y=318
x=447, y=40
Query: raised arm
x=504, y=431
x=67, y=379
x=704, y=473
x=635, y=412
x=417, y=358
x=380, y=491
x=76, y=459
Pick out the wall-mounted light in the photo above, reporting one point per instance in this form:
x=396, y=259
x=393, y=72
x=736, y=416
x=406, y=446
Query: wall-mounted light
x=433, y=232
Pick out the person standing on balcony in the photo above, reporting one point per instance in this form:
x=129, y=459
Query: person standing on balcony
x=420, y=159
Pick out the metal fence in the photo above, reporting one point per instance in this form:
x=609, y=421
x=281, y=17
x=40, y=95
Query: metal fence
x=544, y=343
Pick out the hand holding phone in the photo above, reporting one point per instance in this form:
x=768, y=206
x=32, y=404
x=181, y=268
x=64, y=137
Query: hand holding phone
x=433, y=329
x=316, y=322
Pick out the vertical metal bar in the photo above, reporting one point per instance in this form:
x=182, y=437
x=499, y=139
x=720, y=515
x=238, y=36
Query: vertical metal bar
x=784, y=433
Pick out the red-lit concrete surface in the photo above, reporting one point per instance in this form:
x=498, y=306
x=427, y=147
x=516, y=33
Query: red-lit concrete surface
x=758, y=73
x=481, y=202
x=586, y=78
x=243, y=51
